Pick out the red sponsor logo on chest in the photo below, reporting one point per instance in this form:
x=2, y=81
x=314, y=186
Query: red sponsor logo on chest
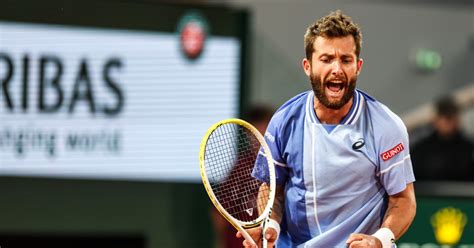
x=392, y=152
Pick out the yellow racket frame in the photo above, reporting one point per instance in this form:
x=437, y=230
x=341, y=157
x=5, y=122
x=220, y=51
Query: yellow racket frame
x=239, y=225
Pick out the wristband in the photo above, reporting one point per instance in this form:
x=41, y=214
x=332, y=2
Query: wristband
x=273, y=224
x=386, y=237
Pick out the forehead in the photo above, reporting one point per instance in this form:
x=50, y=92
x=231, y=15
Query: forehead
x=340, y=45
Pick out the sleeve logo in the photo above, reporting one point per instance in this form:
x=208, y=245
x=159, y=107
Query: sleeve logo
x=270, y=137
x=392, y=152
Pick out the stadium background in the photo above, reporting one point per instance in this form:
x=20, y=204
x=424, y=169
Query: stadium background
x=167, y=213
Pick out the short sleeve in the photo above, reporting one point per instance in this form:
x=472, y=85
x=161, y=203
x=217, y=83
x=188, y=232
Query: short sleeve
x=395, y=167
x=275, y=143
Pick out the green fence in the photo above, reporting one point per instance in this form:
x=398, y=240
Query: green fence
x=177, y=214
x=445, y=216
x=164, y=214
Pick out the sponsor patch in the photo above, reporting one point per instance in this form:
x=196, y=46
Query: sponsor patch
x=392, y=152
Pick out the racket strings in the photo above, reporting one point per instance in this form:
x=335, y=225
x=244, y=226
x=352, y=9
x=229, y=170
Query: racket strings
x=231, y=152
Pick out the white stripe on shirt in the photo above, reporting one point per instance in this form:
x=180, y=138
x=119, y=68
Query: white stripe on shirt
x=393, y=165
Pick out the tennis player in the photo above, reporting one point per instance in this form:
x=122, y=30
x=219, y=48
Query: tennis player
x=344, y=174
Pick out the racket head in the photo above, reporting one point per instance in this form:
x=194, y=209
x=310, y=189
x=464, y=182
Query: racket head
x=227, y=158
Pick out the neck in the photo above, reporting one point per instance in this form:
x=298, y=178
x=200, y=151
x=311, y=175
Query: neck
x=331, y=116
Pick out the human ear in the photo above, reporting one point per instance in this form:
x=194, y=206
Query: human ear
x=306, y=66
x=360, y=62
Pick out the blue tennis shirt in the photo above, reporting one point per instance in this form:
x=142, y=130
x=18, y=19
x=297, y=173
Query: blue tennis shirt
x=337, y=178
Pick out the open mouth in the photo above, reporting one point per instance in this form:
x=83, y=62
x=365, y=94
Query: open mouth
x=334, y=87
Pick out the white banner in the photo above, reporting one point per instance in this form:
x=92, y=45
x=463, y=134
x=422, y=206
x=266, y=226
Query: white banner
x=101, y=103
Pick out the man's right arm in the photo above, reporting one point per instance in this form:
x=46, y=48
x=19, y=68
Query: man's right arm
x=278, y=204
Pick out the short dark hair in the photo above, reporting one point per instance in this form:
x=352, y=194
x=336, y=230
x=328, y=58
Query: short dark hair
x=446, y=106
x=334, y=25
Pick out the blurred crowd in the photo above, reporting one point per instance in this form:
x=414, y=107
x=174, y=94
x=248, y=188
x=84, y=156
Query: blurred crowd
x=444, y=152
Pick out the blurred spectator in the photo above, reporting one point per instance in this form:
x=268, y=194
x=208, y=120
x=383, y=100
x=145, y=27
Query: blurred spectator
x=445, y=154
x=258, y=116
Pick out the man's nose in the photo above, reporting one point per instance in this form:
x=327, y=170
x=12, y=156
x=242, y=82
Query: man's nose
x=336, y=69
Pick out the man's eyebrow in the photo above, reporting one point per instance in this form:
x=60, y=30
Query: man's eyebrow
x=326, y=54
x=348, y=55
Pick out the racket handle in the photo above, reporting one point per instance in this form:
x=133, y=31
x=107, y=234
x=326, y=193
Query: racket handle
x=264, y=230
x=245, y=234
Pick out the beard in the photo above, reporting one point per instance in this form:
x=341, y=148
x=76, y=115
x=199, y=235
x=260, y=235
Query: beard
x=319, y=89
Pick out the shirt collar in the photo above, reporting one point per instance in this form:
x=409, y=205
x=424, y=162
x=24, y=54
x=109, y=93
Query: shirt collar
x=350, y=119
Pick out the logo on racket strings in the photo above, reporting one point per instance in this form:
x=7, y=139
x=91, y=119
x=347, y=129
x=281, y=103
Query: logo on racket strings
x=249, y=211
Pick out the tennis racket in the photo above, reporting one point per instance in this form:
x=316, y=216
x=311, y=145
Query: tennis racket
x=227, y=159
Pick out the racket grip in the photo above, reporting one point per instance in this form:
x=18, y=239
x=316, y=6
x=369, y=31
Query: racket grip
x=264, y=230
x=245, y=234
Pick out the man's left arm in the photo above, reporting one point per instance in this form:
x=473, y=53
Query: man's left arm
x=399, y=216
x=401, y=211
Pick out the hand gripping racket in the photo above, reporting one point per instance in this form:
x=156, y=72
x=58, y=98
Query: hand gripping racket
x=229, y=172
